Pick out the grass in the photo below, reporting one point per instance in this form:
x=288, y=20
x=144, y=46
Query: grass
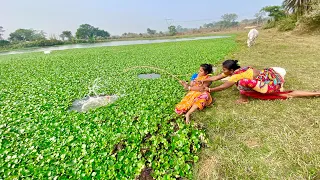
x=266, y=139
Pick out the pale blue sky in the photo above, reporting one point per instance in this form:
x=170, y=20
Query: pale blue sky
x=119, y=16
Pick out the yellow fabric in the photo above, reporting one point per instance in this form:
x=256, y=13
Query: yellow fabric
x=224, y=75
x=192, y=98
x=248, y=74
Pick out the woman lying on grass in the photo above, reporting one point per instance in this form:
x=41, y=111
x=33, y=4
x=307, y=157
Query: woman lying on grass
x=196, y=98
x=266, y=84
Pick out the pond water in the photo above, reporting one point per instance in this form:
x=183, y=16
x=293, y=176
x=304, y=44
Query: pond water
x=47, y=50
x=149, y=76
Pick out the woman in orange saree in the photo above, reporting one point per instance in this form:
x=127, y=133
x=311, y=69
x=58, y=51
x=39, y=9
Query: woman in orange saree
x=196, y=98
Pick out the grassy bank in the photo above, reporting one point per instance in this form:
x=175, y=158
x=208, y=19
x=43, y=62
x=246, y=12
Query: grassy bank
x=267, y=139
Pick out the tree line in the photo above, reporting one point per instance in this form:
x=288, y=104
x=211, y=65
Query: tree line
x=300, y=14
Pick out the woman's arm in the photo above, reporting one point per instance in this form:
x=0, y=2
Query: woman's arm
x=214, y=78
x=199, y=88
x=221, y=87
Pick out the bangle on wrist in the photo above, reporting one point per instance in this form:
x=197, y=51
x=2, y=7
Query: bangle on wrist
x=189, y=88
x=209, y=90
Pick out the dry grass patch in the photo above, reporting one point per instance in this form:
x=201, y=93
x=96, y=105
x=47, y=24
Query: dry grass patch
x=267, y=139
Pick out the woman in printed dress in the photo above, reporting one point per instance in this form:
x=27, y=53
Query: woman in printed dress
x=266, y=84
x=197, y=97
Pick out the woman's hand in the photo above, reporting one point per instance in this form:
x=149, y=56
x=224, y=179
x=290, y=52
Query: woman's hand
x=202, y=88
x=184, y=84
x=200, y=82
x=207, y=89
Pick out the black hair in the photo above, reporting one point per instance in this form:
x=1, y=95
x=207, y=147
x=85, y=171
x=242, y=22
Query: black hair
x=207, y=68
x=231, y=64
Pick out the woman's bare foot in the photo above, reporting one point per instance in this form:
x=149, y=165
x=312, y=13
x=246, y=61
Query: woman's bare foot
x=242, y=101
x=187, y=118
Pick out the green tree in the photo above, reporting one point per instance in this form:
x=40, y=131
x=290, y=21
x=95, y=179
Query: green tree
x=66, y=35
x=229, y=17
x=209, y=25
x=27, y=35
x=245, y=21
x=181, y=29
x=228, y=20
x=101, y=33
x=151, y=32
x=1, y=32
x=86, y=31
x=172, y=30
x=298, y=7
x=38, y=35
x=275, y=12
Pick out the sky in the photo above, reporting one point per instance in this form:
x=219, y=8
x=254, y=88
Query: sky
x=119, y=16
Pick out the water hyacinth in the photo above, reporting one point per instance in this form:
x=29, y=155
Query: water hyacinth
x=139, y=132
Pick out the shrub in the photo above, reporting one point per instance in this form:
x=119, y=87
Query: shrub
x=311, y=20
x=4, y=43
x=287, y=24
x=269, y=25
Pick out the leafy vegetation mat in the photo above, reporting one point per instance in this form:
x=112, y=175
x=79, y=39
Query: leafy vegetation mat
x=138, y=135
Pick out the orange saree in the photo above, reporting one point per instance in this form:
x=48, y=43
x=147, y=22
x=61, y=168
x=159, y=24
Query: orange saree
x=200, y=99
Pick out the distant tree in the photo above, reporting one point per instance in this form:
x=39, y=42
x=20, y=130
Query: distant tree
x=39, y=35
x=245, y=21
x=4, y=43
x=275, y=12
x=172, y=30
x=229, y=17
x=131, y=35
x=66, y=35
x=86, y=31
x=228, y=20
x=27, y=35
x=209, y=25
x=101, y=33
x=151, y=32
x=180, y=29
x=259, y=17
x=1, y=32
x=53, y=37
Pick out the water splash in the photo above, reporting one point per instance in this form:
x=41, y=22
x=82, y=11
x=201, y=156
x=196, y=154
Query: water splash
x=93, y=89
x=93, y=100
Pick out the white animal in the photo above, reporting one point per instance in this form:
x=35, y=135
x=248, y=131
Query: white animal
x=252, y=36
x=46, y=52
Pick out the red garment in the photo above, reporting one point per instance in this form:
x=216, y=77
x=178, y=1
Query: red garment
x=269, y=96
x=267, y=78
